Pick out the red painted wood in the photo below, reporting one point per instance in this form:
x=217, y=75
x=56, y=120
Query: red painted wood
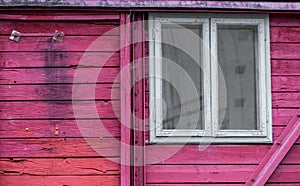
x=125, y=80
x=285, y=50
x=216, y=155
x=58, y=75
x=60, y=180
x=285, y=34
x=104, y=17
x=285, y=67
x=58, y=147
x=287, y=100
x=282, y=116
x=287, y=174
x=57, y=109
x=36, y=112
x=65, y=128
x=212, y=173
x=166, y=184
x=59, y=59
x=58, y=92
x=198, y=174
x=286, y=83
x=277, y=152
x=283, y=20
x=158, y=4
x=138, y=101
x=292, y=156
x=58, y=166
x=69, y=28
x=70, y=43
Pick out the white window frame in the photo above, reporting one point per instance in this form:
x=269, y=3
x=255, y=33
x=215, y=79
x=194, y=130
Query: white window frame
x=211, y=132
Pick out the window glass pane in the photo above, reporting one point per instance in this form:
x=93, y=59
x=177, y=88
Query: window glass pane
x=175, y=39
x=237, y=54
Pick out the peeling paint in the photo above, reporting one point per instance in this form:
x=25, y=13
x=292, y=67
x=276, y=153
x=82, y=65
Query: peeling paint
x=281, y=6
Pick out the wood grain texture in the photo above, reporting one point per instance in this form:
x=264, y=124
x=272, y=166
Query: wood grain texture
x=216, y=155
x=285, y=67
x=69, y=44
x=285, y=50
x=286, y=84
x=59, y=59
x=60, y=180
x=65, y=128
x=50, y=16
x=281, y=116
x=286, y=174
x=58, y=92
x=125, y=88
x=59, y=109
x=59, y=147
x=58, y=166
x=58, y=75
x=221, y=184
x=166, y=184
x=161, y=4
x=214, y=173
x=285, y=34
x=86, y=28
x=283, y=20
x=41, y=142
x=285, y=100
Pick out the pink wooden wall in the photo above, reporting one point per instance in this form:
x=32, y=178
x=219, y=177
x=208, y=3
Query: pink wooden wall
x=36, y=79
x=233, y=164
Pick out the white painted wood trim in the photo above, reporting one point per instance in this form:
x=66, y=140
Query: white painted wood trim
x=263, y=82
x=211, y=134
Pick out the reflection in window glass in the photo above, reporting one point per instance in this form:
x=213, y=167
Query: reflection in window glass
x=177, y=39
x=237, y=54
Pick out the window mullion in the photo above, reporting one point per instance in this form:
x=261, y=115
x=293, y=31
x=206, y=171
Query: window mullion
x=214, y=77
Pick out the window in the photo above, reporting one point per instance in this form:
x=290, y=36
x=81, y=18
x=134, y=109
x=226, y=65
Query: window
x=209, y=78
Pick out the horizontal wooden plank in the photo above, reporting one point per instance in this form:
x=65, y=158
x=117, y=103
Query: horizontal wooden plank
x=288, y=100
x=59, y=59
x=282, y=116
x=292, y=156
x=198, y=174
x=210, y=154
x=68, y=27
x=59, y=109
x=281, y=20
x=285, y=34
x=59, y=92
x=60, y=180
x=70, y=43
x=59, y=166
x=286, y=174
x=59, y=147
x=285, y=67
x=214, y=173
x=52, y=17
x=65, y=128
x=213, y=154
x=285, y=51
x=166, y=184
x=58, y=75
x=286, y=83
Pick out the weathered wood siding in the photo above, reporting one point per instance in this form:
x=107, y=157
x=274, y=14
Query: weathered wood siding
x=233, y=164
x=36, y=79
